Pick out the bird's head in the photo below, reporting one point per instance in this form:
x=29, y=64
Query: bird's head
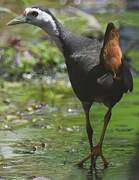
x=39, y=17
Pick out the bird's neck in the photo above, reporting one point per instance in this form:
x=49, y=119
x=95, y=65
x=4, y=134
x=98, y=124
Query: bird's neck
x=56, y=34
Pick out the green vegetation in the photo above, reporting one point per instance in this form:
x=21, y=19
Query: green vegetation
x=134, y=54
x=25, y=59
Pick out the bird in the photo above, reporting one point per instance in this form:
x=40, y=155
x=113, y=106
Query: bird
x=90, y=81
x=111, y=53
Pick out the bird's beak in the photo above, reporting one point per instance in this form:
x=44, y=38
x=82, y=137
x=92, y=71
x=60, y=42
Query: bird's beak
x=17, y=20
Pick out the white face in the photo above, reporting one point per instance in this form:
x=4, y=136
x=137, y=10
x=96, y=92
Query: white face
x=40, y=18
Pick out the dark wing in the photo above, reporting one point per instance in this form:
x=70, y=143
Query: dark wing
x=86, y=60
x=127, y=77
x=106, y=80
x=92, y=66
x=85, y=52
x=91, y=62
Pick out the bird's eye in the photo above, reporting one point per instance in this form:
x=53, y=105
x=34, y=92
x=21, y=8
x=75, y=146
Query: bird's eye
x=34, y=13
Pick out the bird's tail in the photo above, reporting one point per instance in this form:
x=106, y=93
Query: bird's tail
x=111, y=32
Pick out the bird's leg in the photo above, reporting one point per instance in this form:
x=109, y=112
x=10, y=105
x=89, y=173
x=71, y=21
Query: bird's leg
x=99, y=145
x=106, y=121
x=97, y=150
x=89, y=130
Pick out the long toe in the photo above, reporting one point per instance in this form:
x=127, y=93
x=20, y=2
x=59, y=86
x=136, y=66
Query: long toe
x=97, y=152
x=80, y=163
x=105, y=162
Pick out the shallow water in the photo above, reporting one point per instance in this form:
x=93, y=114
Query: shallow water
x=45, y=139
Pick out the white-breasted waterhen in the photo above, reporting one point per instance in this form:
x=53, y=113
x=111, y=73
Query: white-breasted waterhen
x=90, y=81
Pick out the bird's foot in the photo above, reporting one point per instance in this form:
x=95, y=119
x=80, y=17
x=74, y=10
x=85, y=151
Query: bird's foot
x=95, y=153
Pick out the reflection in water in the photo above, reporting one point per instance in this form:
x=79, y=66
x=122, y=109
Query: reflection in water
x=95, y=174
x=86, y=174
